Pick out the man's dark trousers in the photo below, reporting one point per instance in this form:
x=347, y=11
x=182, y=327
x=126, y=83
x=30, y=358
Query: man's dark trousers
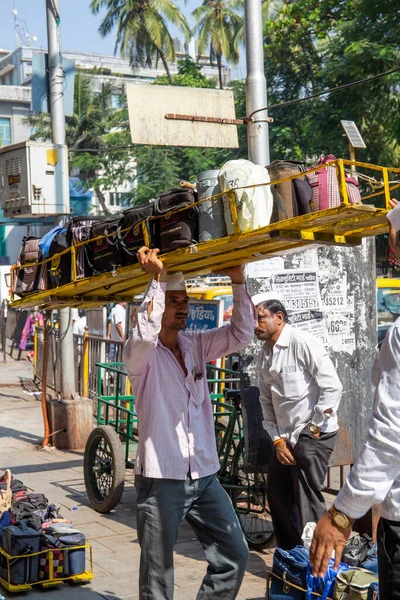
x=295, y=492
x=389, y=559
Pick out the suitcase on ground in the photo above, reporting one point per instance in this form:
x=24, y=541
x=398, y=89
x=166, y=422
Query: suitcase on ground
x=296, y=193
x=130, y=232
x=75, y=557
x=211, y=212
x=32, y=277
x=103, y=254
x=60, y=270
x=176, y=229
x=20, y=540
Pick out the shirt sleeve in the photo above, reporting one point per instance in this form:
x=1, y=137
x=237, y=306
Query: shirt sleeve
x=320, y=366
x=222, y=341
x=144, y=338
x=378, y=465
x=269, y=423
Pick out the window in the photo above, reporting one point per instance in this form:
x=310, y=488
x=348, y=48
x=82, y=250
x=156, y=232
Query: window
x=116, y=101
x=5, y=131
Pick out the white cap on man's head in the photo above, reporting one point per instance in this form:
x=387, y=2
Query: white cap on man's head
x=176, y=283
x=264, y=296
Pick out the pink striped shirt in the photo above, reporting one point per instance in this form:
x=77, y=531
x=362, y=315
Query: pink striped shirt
x=176, y=428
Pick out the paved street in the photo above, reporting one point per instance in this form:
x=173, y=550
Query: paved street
x=59, y=476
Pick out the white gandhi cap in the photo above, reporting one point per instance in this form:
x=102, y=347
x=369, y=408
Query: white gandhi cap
x=264, y=296
x=176, y=283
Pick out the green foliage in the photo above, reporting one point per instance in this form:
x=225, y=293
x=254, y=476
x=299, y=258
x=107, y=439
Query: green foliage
x=142, y=28
x=217, y=22
x=313, y=45
x=189, y=75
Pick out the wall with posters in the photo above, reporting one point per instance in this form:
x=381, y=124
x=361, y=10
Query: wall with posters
x=331, y=292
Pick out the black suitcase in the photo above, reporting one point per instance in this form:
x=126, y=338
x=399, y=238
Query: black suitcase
x=176, y=229
x=20, y=540
x=103, y=253
x=130, y=232
x=60, y=268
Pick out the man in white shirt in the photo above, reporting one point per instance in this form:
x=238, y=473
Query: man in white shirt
x=299, y=394
x=375, y=476
x=116, y=329
x=177, y=460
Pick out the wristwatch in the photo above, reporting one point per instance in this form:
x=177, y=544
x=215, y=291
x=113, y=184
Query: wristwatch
x=314, y=428
x=340, y=519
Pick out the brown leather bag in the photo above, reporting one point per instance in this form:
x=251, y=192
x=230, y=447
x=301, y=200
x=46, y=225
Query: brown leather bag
x=6, y=495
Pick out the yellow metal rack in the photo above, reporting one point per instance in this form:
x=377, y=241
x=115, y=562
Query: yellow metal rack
x=344, y=225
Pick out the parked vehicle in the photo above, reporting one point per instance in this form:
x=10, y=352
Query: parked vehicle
x=5, y=282
x=387, y=303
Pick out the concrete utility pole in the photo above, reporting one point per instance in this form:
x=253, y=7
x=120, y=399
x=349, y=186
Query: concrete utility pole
x=256, y=84
x=56, y=101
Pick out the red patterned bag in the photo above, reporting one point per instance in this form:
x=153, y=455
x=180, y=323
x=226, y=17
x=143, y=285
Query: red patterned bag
x=325, y=186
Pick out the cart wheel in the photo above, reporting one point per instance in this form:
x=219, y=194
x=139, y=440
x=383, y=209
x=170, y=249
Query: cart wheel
x=250, y=503
x=104, y=468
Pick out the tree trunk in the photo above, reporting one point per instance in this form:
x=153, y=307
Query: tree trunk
x=166, y=67
x=102, y=201
x=219, y=63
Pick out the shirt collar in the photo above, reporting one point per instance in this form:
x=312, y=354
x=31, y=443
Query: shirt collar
x=284, y=339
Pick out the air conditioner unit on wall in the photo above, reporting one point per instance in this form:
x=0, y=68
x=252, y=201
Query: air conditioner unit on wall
x=34, y=179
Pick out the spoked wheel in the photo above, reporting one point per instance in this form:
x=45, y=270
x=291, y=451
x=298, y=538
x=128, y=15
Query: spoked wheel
x=104, y=468
x=250, y=503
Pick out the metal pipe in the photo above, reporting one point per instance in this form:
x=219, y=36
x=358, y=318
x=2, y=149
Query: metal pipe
x=56, y=101
x=256, y=84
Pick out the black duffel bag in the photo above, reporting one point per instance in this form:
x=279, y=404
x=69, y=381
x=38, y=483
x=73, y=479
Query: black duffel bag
x=60, y=267
x=130, y=232
x=103, y=253
x=20, y=540
x=176, y=229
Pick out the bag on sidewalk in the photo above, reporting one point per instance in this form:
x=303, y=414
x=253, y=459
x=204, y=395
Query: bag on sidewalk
x=353, y=584
x=325, y=186
x=130, y=232
x=25, y=508
x=356, y=550
x=50, y=543
x=373, y=591
x=6, y=494
x=20, y=541
x=292, y=578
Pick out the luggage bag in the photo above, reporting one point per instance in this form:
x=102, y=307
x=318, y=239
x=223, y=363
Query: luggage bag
x=18, y=541
x=103, y=254
x=32, y=277
x=130, y=232
x=176, y=229
x=60, y=270
x=296, y=193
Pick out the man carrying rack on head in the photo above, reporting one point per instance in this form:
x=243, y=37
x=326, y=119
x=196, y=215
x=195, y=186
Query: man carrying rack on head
x=177, y=459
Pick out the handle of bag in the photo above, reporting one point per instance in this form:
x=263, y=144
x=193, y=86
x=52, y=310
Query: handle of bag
x=7, y=478
x=107, y=238
x=310, y=581
x=121, y=238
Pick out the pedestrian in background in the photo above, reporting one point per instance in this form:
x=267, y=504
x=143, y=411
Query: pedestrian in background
x=116, y=330
x=299, y=394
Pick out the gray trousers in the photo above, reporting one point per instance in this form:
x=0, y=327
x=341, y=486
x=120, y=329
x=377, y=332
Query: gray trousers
x=295, y=492
x=162, y=505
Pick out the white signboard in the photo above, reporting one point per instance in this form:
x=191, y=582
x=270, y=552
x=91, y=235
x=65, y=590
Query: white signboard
x=148, y=105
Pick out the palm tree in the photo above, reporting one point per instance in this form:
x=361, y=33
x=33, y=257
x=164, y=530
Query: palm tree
x=216, y=25
x=142, y=28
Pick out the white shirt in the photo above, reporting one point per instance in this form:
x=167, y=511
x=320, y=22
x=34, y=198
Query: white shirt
x=298, y=383
x=118, y=315
x=176, y=425
x=375, y=476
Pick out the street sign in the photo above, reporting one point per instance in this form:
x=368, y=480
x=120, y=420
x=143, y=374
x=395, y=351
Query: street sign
x=353, y=135
x=152, y=109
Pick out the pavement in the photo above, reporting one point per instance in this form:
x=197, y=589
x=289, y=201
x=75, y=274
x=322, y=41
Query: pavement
x=59, y=476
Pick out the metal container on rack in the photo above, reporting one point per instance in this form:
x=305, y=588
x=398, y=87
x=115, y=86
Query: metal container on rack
x=211, y=218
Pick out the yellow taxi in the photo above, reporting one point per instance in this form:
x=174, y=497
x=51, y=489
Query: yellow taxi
x=213, y=292
x=387, y=303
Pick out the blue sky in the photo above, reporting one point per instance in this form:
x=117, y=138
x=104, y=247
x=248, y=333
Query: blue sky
x=79, y=28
